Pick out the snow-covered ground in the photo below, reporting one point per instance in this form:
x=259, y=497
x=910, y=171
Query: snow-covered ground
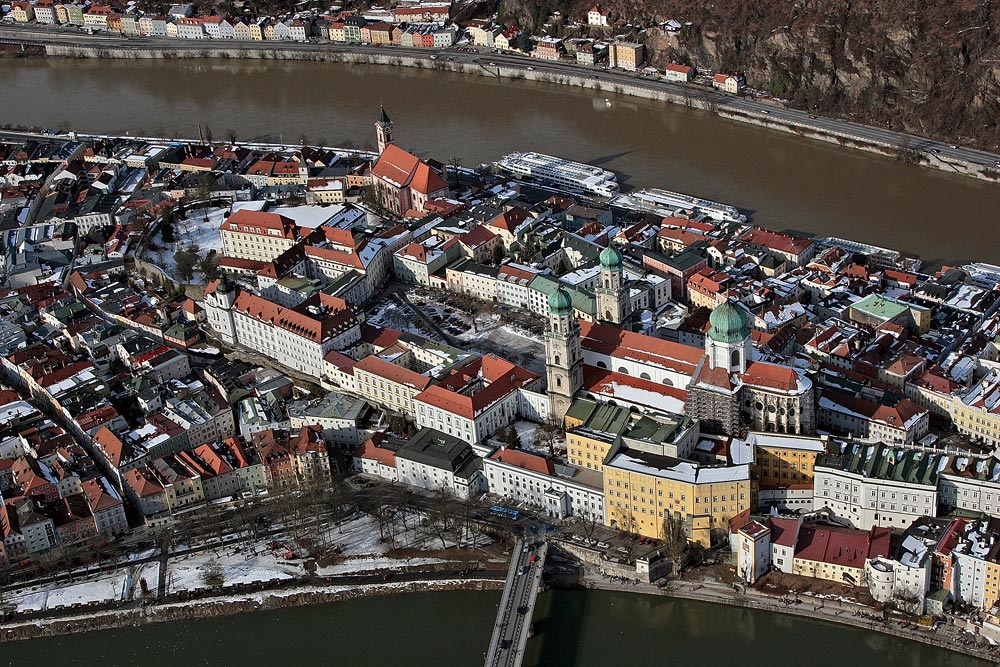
x=108, y=588
x=190, y=572
x=388, y=313
x=357, y=541
x=200, y=227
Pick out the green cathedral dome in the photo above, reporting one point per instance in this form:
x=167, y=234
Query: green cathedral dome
x=611, y=258
x=728, y=323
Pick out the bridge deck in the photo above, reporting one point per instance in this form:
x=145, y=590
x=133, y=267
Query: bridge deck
x=510, y=632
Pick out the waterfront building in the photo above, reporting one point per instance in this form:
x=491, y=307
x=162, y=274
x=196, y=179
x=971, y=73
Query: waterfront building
x=97, y=17
x=548, y=48
x=561, y=491
x=678, y=73
x=190, y=28
x=731, y=83
x=402, y=181
x=22, y=12
x=876, y=485
x=838, y=554
x=753, y=551
x=625, y=55
x=44, y=11
x=560, y=172
x=645, y=491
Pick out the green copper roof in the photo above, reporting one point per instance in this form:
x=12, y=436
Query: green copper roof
x=728, y=323
x=611, y=258
x=560, y=302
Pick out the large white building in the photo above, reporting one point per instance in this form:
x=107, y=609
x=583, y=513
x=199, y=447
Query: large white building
x=876, y=485
x=560, y=490
x=435, y=461
x=476, y=400
x=298, y=338
x=256, y=235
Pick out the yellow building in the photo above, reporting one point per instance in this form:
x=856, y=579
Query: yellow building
x=991, y=585
x=643, y=491
x=976, y=413
x=785, y=459
x=591, y=429
x=625, y=55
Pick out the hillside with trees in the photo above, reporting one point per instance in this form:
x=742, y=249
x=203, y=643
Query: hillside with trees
x=928, y=67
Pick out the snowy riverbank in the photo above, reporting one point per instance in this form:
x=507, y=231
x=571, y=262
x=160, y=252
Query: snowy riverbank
x=222, y=605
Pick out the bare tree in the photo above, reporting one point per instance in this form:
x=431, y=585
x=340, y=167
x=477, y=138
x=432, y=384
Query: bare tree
x=212, y=574
x=454, y=165
x=674, y=541
x=548, y=433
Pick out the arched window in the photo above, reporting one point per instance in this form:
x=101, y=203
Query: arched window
x=558, y=382
x=557, y=359
x=607, y=315
x=623, y=370
x=601, y=364
x=734, y=358
x=645, y=376
x=667, y=382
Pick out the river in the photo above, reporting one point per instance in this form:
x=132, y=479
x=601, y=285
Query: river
x=787, y=182
x=453, y=628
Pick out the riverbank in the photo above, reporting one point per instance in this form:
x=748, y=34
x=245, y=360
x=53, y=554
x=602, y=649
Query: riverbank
x=224, y=605
x=595, y=80
x=838, y=612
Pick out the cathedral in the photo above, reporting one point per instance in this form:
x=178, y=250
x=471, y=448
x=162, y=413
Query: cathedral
x=727, y=390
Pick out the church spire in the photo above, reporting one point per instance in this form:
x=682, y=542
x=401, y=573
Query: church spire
x=383, y=129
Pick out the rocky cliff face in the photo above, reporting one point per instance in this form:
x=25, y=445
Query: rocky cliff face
x=928, y=66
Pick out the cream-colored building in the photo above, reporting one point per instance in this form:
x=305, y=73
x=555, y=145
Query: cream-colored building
x=257, y=236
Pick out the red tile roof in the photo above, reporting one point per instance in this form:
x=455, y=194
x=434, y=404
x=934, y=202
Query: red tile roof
x=372, y=451
x=315, y=328
x=610, y=340
x=523, y=460
x=771, y=376
x=477, y=237
x=404, y=169
x=249, y=222
x=842, y=546
x=502, y=376
x=392, y=372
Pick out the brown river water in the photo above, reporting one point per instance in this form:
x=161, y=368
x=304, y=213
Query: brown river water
x=787, y=182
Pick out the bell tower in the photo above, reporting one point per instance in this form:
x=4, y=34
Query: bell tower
x=563, y=355
x=383, y=129
x=728, y=343
x=611, y=295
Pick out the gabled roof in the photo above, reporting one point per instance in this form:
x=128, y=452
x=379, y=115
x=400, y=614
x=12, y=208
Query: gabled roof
x=404, y=169
x=521, y=459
